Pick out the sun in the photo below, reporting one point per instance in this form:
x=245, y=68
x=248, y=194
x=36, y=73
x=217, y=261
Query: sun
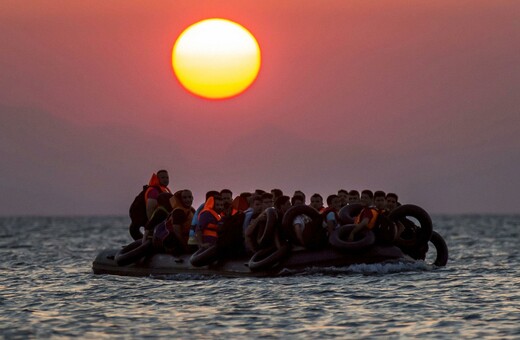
x=216, y=58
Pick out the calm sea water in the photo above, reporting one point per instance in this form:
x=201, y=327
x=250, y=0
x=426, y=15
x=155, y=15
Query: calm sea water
x=47, y=289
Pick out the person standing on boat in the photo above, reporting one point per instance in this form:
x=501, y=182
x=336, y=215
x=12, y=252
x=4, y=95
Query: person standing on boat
x=158, y=184
x=368, y=216
x=209, y=222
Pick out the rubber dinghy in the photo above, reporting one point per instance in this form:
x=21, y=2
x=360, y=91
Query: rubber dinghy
x=297, y=260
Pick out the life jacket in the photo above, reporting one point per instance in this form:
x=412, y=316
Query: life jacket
x=373, y=219
x=154, y=184
x=176, y=203
x=211, y=229
x=137, y=210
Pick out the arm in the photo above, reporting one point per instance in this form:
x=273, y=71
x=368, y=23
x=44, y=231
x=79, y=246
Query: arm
x=357, y=228
x=151, y=204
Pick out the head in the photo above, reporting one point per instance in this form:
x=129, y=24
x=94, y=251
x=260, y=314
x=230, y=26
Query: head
x=187, y=198
x=300, y=193
x=163, y=177
x=317, y=201
x=267, y=200
x=227, y=197
x=283, y=203
x=391, y=201
x=353, y=196
x=380, y=200
x=211, y=193
x=297, y=200
x=276, y=193
x=333, y=201
x=257, y=204
x=367, y=198
x=343, y=196
x=219, y=204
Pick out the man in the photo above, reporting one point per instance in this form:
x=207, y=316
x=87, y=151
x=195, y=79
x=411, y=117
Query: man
x=330, y=214
x=300, y=221
x=391, y=201
x=192, y=241
x=276, y=193
x=227, y=198
x=353, y=197
x=317, y=202
x=209, y=222
x=343, y=197
x=300, y=193
x=380, y=201
x=157, y=185
x=253, y=212
x=267, y=200
x=368, y=216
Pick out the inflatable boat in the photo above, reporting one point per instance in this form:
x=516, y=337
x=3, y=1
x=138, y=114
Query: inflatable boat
x=297, y=260
x=381, y=246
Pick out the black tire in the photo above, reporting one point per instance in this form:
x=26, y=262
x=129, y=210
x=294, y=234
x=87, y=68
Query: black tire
x=424, y=233
x=268, y=258
x=314, y=230
x=337, y=239
x=135, y=231
x=133, y=252
x=442, y=249
x=266, y=236
x=348, y=213
x=204, y=256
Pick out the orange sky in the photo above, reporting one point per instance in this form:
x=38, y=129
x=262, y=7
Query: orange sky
x=419, y=98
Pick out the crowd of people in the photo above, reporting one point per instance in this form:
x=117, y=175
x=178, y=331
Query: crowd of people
x=175, y=226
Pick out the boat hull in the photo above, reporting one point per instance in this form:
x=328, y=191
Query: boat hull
x=164, y=264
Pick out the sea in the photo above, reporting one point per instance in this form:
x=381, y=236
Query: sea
x=48, y=290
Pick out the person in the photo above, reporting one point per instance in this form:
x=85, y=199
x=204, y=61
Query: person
x=300, y=193
x=380, y=201
x=343, y=197
x=317, y=202
x=353, y=197
x=158, y=184
x=276, y=193
x=227, y=198
x=267, y=200
x=192, y=241
x=171, y=235
x=391, y=201
x=209, y=222
x=253, y=212
x=330, y=214
x=160, y=214
x=300, y=221
x=368, y=216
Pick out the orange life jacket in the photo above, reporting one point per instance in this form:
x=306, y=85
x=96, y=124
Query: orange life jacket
x=373, y=219
x=176, y=203
x=212, y=228
x=154, y=184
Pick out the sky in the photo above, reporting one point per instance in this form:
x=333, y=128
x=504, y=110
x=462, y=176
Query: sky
x=419, y=98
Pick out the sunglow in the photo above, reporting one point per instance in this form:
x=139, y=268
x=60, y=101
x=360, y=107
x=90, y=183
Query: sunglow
x=216, y=58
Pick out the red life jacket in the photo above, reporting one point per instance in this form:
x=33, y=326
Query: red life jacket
x=154, y=184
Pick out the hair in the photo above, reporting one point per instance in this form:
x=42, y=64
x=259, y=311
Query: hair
x=297, y=198
x=353, y=193
x=259, y=191
x=317, y=195
x=379, y=193
x=342, y=191
x=330, y=198
x=281, y=201
x=267, y=195
x=368, y=193
x=211, y=193
x=277, y=192
x=226, y=191
x=246, y=194
x=391, y=194
x=257, y=198
x=299, y=192
x=162, y=170
x=217, y=197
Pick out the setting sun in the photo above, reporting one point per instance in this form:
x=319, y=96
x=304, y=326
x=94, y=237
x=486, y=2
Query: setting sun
x=216, y=58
